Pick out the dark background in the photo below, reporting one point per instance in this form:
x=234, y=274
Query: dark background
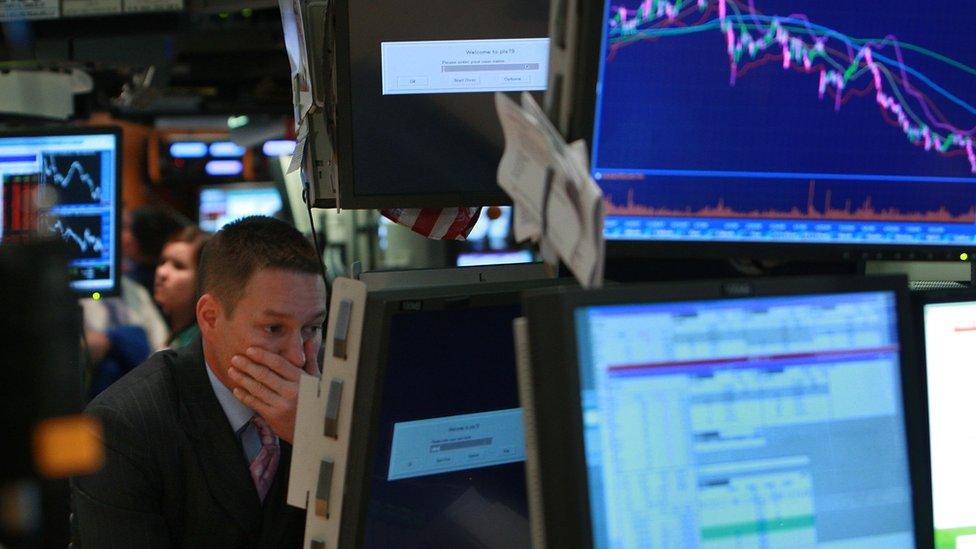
x=461, y=362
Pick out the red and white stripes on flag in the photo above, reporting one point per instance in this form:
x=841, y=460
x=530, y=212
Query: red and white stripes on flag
x=435, y=223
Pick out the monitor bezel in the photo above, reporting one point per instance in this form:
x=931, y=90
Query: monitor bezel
x=582, y=106
x=381, y=305
x=116, y=132
x=920, y=300
x=348, y=194
x=558, y=419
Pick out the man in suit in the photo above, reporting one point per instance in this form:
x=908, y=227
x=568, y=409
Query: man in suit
x=197, y=440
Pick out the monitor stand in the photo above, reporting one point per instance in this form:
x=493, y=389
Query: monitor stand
x=927, y=275
x=453, y=276
x=642, y=269
x=923, y=275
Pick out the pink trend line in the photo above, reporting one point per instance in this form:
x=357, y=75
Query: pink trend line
x=919, y=95
x=791, y=46
x=796, y=49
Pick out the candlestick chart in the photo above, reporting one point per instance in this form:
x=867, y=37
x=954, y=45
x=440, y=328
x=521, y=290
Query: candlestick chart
x=788, y=109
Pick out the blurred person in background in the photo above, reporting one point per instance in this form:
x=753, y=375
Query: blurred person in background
x=176, y=280
x=121, y=332
x=145, y=231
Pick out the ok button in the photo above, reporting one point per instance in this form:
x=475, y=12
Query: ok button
x=412, y=82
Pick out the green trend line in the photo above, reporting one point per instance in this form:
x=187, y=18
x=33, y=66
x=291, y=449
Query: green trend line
x=804, y=43
x=714, y=24
x=925, y=51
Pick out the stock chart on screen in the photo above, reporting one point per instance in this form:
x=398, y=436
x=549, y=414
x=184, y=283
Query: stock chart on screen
x=64, y=186
x=778, y=121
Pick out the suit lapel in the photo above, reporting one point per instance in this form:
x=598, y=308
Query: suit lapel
x=218, y=450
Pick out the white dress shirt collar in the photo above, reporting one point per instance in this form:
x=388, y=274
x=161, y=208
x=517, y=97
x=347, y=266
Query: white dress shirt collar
x=237, y=413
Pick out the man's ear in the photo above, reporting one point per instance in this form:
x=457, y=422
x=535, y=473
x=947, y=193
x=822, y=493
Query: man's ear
x=209, y=310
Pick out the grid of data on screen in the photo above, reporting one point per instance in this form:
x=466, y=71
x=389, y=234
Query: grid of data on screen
x=761, y=422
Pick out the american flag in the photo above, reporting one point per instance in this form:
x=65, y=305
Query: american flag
x=435, y=223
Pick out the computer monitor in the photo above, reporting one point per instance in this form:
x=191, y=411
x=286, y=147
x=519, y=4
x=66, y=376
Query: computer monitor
x=781, y=413
x=64, y=183
x=437, y=428
x=221, y=204
x=776, y=129
x=949, y=320
x=415, y=117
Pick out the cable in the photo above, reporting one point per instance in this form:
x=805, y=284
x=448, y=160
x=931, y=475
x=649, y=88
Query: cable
x=320, y=251
x=306, y=197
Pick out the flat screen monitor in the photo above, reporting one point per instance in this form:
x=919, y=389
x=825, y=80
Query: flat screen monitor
x=437, y=428
x=682, y=418
x=784, y=128
x=64, y=183
x=949, y=319
x=221, y=204
x=416, y=121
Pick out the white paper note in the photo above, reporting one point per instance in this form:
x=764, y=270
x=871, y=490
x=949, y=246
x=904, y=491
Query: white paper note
x=301, y=141
x=293, y=27
x=557, y=203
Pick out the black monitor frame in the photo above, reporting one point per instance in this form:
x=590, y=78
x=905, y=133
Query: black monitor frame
x=919, y=301
x=556, y=388
x=116, y=132
x=582, y=105
x=367, y=405
x=343, y=139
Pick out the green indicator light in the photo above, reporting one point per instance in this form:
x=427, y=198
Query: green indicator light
x=97, y=296
x=964, y=256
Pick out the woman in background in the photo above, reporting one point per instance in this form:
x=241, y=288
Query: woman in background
x=145, y=231
x=175, y=288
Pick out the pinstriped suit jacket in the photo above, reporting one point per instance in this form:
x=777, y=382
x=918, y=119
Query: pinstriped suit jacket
x=175, y=474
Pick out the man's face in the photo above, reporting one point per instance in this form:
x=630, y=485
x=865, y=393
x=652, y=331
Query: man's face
x=280, y=311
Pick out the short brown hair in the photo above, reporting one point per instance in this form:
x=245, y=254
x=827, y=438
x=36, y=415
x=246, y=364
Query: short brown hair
x=247, y=245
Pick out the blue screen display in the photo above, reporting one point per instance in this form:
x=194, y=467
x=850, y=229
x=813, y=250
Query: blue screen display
x=64, y=187
x=761, y=422
x=788, y=121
